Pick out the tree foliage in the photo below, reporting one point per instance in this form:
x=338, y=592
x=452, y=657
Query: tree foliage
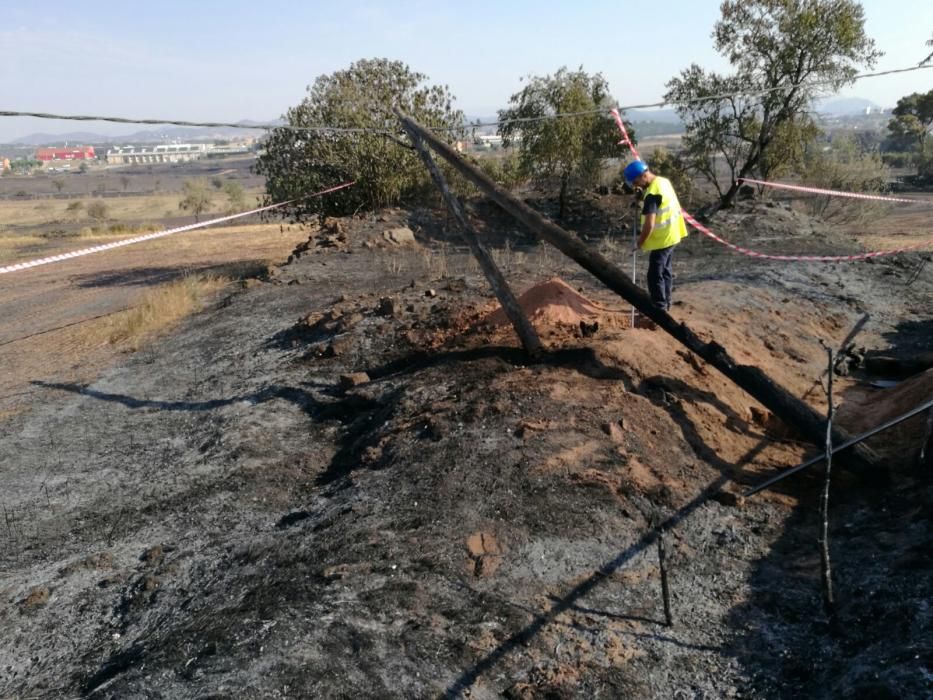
x=236, y=196
x=362, y=97
x=572, y=150
x=787, y=150
x=845, y=165
x=505, y=170
x=913, y=117
x=24, y=166
x=793, y=52
x=196, y=197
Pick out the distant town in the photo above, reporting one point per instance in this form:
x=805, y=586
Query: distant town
x=855, y=115
x=67, y=158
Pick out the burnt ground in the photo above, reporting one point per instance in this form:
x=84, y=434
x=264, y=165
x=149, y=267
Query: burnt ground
x=222, y=515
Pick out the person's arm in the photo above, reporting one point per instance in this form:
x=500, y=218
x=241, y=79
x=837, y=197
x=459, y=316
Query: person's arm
x=646, y=228
x=650, y=213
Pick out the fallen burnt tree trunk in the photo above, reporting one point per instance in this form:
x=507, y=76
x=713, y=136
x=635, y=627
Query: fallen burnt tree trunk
x=755, y=382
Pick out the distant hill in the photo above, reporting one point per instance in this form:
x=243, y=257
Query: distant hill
x=182, y=133
x=661, y=121
x=664, y=116
x=845, y=106
x=171, y=133
x=43, y=138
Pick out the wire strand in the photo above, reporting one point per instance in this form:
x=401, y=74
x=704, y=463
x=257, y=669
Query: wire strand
x=181, y=122
x=517, y=120
x=707, y=98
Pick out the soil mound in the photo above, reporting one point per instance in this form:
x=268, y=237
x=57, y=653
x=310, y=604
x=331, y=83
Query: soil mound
x=554, y=303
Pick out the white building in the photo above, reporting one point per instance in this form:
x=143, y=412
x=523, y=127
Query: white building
x=164, y=153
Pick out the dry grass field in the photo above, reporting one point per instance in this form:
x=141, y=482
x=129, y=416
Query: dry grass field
x=71, y=319
x=32, y=228
x=150, y=207
x=157, y=308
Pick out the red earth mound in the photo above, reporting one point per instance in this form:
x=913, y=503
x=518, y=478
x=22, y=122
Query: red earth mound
x=556, y=303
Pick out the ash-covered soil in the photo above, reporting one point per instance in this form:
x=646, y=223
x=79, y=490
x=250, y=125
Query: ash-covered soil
x=238, y=511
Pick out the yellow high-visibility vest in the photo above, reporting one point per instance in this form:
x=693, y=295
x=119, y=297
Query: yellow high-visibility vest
x=669, y=225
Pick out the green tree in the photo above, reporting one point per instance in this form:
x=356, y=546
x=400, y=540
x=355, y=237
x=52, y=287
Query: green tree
x=788, y=148
x=24, y=166
x=359, y=99
x=790, y=52
x=235, y=195
x=913, y=117
x=572, y=150
x=196, y=197
x=845, y=165
x=504, y=170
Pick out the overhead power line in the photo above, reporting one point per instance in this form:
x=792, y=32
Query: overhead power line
x=706, y=98
x=181, y=122
x=519, y=120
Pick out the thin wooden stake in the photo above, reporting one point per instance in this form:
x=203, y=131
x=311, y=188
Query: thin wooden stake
x=825, y=565
x=926, y=448
x=526, y=332
x=636, y=216
x=665, y=585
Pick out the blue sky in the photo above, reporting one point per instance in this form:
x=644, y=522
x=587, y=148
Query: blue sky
x=211, y=60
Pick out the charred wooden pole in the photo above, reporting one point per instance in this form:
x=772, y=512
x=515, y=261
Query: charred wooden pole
x=778, y=400
x=887, y=425
x=526, y=332
x=825, y=566
x=665, y=584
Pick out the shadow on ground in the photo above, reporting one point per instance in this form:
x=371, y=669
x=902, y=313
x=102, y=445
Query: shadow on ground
x=880, y=643
x=156, y=275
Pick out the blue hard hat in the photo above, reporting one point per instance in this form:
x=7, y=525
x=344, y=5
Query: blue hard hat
x=633, y=170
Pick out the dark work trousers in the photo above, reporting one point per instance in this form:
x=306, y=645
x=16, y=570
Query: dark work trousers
x=661, y=277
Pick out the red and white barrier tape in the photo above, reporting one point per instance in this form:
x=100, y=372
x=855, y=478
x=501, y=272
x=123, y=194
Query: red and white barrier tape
x=625, y=139
x=832, y=193
x=798, y=258
x=767, y=256
x=157, y=234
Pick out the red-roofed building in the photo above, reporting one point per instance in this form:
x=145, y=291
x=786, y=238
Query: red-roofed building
x=77, y=153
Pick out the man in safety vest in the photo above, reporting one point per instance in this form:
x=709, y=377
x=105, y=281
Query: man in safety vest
x=662, y=228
